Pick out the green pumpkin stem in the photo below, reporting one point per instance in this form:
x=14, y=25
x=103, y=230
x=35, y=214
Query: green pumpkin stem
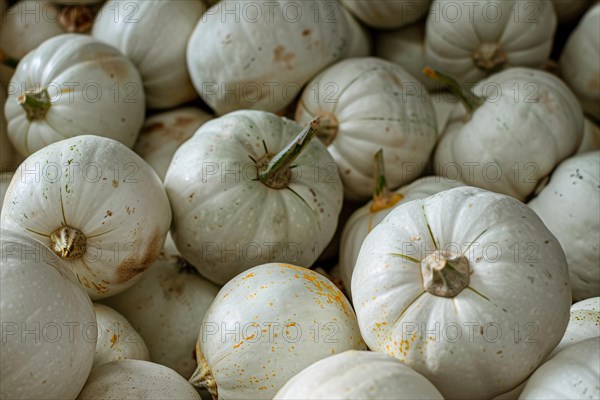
x=35, y=103
x=382, y=196
x=276, y=173
x=470, y=101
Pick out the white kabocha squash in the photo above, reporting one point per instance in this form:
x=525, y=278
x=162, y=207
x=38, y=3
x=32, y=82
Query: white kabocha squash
x=166, y=308
x=591, y=137
x=250, y=188
x=519, y=124
x=580, y=62
x=573, y=373
x=97, y=205
x=366, y=375
x=384, y=14
x=73, y=85
x=362, y=222
x=5, y=179
x=406, y=47
x=569, y=10
x=271, y=49
x=136, y=380
x=154, y=35
x=366, y=104
x=471, y=40
x=583, y=324
x=48, y=323
x=252, y=340
x=163, y=133
x=117, y=340
x=463, y=275
x=570, y=207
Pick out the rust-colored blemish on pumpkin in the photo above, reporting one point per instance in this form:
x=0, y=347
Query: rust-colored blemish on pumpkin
x=153, y=127
x=113, y=340
x=306, y=32
x=115, y=183
x=109, y=213
x=112, y=65
x=183, y=122
x=281, y=55
x=250, y=275
x=133, y=266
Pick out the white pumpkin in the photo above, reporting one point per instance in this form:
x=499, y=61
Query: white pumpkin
x=97, y=204
x=361, y=41
x=240, y=197
x=471, y=40
x=5, y=179
x=384, y=14
x=406, y=47
x=468, y=287
x=117, y=340
x=367, y=217
x=583, y=324
x=569, y=10
x=136, y=380
x=154, y=35
x=444, y=104
x=271, y=50
x=573, y=373
x=48, y=323
x=364, y=105
x=252, y=340
x=166, y=307
x=591, y=137
x=163, y=133
x=7, y=152
x=570, y=207
x=26, y=25
x=521, y=123
x=366, y=375
x=73, y=85
x=580, y=62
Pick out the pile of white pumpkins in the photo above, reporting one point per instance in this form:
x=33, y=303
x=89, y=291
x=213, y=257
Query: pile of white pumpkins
x=173, y=169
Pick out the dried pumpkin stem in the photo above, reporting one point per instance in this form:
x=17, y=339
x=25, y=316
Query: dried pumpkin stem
x=470, y=101
x=382, y=196
x=78, y=18
x=444, y=273
x=202, y=378
x=35, y=103
x=276, y=173
x=67, y=242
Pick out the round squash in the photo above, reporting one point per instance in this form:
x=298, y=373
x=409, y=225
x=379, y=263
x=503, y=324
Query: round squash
x=569, y=10
x=520, y=124
x=271, y=50
x=166, y=308
x=252, y=340
x=366, y=375
x=163, y=133
x=383, y=14
x=471, y=40
x=362, y=222
x=468, y=287
x=591, y=137
x=73, y=85
x=580, y=62
x=583, y=324
x=154, y=35
x=5, y=179
x=366, y=104
x=136, y=380
x=97, y=205
x=48, y=323
x=117, y=340
x=570, y=207
x=573, y=373
x=250, y=188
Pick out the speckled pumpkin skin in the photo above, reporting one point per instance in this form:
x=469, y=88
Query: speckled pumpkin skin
x=275, y=340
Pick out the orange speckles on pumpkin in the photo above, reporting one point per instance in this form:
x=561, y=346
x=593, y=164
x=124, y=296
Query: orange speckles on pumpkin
x=113, y=340
x=235, y=346
x=250, y=275
x=281, y=55
x=262, y=388
x=115, y=183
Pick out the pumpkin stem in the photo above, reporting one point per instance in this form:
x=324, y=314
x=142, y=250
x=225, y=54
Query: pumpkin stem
x=68, y=243
x=36, y=104
x=470, y=101
x=445, y=274
x=8, y=61
x=329, y=128
x=489, y=56
x=202, y=377
x=276, y=173
x=77, y=18
x=382, y=196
